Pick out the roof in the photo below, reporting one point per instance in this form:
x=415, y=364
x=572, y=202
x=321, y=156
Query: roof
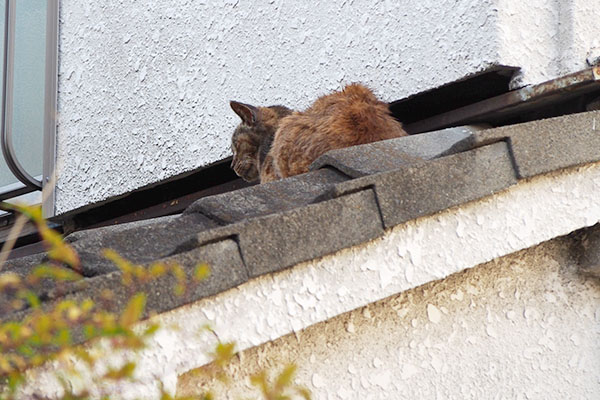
x=351, y=196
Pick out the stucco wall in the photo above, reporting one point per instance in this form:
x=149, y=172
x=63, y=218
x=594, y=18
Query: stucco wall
x=144, y=85
x=526, y=326
x=547, y=38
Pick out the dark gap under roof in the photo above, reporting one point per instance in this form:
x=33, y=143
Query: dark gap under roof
x=471, y=89
x=165, y=198
x=568, y=94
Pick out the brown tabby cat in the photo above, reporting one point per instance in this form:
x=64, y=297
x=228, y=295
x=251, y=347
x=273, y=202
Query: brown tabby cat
x=274, y=142
x=252, y=139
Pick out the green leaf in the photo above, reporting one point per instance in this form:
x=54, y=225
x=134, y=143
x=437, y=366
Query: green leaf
x=157, y=270
x=120, y=262
x=89, y=331
x=201, y=272
x=134, y=310
x=25, y=350
x=54, y=272
x=15, y=380
x=63, y=337
x=87, y=305
x=125, y=372
x=260, y=380
x=304, y=392
x=59, y=250
x=151, y=330
x=34, y=213
x=31, y=297
x=224, y=352
x=285, y=378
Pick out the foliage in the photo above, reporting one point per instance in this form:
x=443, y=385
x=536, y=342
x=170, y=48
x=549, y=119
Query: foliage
x=53, y=331
x=282, y=387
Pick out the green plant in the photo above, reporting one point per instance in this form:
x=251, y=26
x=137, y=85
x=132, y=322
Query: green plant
x=54, y=331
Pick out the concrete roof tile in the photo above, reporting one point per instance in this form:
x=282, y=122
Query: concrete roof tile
x=138, y=243
x=546, y=145
x=265, y=199
x=227, y=270
x=357, y=193
x=278, y=241
x=426, y=188
x=387, y=155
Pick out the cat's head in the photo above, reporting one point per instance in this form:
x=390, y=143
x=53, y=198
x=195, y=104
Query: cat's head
x=257, y=128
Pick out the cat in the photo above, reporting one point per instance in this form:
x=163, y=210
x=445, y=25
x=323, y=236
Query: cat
x=252, y=139
x=275, y=142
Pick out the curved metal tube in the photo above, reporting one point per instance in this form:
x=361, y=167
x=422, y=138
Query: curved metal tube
x=7, y=88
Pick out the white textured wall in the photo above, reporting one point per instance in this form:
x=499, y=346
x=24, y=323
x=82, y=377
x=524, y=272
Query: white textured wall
x=144, y=84
x=547, y=38
x=523, y=327
x=410, y=255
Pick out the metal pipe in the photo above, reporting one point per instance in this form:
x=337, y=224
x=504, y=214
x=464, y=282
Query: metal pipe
x=50, y=105
x=7, y=104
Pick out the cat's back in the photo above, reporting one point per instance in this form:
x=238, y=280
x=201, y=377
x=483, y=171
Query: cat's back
x=351, y=94
x=345, y=118
x=354, y=116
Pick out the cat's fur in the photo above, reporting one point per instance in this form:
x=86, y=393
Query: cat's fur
x=274, y=142
x=252, y=139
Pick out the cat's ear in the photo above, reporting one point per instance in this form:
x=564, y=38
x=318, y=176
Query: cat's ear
x=248, y=113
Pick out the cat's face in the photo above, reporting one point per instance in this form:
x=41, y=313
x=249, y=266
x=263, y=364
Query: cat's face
x=252, y=135
x=244, y=146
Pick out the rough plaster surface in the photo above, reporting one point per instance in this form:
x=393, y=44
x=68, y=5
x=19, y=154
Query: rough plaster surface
x=144, y=85
x=547, y=38
x=407, y=256
x=526, y=326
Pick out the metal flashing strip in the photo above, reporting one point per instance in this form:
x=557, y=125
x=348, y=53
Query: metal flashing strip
x=505, y=106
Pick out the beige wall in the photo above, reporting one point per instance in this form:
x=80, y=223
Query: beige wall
x=526, y=326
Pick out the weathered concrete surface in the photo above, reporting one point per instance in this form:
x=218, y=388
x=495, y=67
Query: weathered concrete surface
x=275, y=242
x=526, y=326
x=372, y=158
x=426, y=188
x=226, y=271
x=139, y=243
x=268, y=198
x=546, y=145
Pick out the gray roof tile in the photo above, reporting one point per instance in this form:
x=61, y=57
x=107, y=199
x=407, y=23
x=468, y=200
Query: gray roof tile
x=265, y=228
x=45, y=289
x=139, y=243
x=278, y=241
x=265, y=199
x=226, y=271
x=546, y=145
x=414, y=191
x=387, y=155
